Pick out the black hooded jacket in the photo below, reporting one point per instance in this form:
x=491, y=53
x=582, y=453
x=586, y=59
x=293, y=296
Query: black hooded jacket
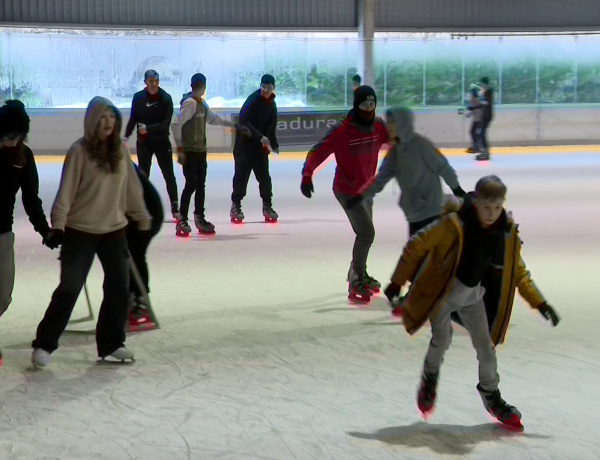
x=18, y=171
x=260, y=116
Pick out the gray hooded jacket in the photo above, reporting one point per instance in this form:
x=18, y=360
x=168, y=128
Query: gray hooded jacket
x=417, y=165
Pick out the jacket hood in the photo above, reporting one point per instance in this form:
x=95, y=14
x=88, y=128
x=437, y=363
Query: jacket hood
x=454, y=204
x=184, y=97
x=93, y=113
x=404, y=119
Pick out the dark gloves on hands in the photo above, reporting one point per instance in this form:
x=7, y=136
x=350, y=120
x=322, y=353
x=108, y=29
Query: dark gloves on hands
x=548, y=312
x=459, y=192
x=54, y=238
x=243, y=130
x=352, y=202
x=392, y=291
x=307, y=186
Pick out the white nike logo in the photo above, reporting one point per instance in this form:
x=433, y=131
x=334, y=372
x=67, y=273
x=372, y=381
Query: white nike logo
x=150, y=105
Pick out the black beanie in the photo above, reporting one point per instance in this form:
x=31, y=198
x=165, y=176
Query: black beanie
x=267, y=79
x=362, y=93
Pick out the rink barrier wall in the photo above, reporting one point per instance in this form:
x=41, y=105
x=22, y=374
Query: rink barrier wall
x=53, y=130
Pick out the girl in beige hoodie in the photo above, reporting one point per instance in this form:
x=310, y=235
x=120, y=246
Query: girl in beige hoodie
x=98, y=190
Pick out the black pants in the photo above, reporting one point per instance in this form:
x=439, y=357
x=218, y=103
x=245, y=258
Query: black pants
x=482, y=137
x=245, y=163
x=194, y=171
x=475, y=127
x=138, y=247
x=164, y=156
x=414, y=227
x=76, y=257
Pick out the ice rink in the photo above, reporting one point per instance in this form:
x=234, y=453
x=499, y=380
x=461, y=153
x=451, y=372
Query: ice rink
x=260, y=356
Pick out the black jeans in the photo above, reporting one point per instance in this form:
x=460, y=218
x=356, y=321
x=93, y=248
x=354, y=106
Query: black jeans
x=483, y=143
x=414, y=227
x=245, y=163
x=194, y=171
x=76, y=257
x=361, y=220
x=164, y=156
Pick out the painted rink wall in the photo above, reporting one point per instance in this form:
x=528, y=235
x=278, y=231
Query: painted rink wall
x=53, y=130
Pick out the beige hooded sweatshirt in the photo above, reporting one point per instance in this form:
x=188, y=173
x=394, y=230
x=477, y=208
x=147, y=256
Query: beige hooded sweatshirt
x=91, y=199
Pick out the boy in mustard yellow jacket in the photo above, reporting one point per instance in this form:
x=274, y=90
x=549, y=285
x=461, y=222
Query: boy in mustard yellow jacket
x=468, y=264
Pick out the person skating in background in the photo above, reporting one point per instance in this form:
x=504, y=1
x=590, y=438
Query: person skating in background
x=138, y=242
x=189, y=130
x=355, y=142
x=356, y=81
x=251, y=152
x=18, y=171
x=475, y=112
x=467, y=263
x=98, y=190
x=486, y=100
x=152, y=113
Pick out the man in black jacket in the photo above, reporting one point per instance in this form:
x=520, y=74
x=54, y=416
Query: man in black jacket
x=486, y=100
x=151, y=112
x=259, y=113
x=17, y=171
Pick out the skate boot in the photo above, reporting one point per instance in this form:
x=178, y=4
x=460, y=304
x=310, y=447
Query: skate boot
x=183, y=228
x=483, y=156
x=204, y=227
x=372, y=283
x=427, y=393
x=175, y=210
x=358, y=291
x=121, y=354
x=236, y=214
x=497, y=407
x=40, y=358
x=139, y=317
x=269, y=213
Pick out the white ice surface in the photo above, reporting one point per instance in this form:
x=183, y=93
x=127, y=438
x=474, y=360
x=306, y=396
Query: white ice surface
x=260, y=356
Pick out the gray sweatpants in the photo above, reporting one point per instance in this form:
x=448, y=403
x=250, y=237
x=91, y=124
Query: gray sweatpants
x=7, y=269
x=361, y=219
x=468, y=303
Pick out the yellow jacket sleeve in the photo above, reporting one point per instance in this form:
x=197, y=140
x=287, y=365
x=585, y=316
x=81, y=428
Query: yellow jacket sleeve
x=527, y=287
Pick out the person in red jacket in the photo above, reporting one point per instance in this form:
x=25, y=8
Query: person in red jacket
x=355, y=142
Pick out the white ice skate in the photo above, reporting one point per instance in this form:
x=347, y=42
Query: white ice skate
x=40, y=358
x=121, y=354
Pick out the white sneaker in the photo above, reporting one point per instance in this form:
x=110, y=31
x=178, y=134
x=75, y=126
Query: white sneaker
x=40, y=358
x=121, y=354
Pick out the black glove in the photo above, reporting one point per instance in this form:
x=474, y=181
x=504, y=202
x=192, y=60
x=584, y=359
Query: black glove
x=243, y=130
x=459, y=192
x=54, y=238
x=392, y=291
x=352, y=202
x=548, y=312
x=307, y=186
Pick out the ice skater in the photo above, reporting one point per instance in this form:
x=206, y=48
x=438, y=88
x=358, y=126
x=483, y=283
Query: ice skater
x=475, y=112
x=189, y=130
x=469, y=263
x=18, y=171
x=355, y=142
x=98, y=190
x=151, y=113
x=138, y=242
x=486, y=100
x=251, y=152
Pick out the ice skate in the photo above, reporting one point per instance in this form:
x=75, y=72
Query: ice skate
x=269, y=213
x=358, y=290
x=139, y=318
x=497, y=407
x=122, y=355
x=40, y=358
x=183, y=228
x=175, y=210
x=427, y=393
x=372, y=283
x=483, y=156
x=204, y=227
x=236, y=214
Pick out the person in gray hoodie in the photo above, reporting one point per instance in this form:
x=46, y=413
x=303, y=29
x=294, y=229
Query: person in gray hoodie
x=99, y=190
x=417, y=165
